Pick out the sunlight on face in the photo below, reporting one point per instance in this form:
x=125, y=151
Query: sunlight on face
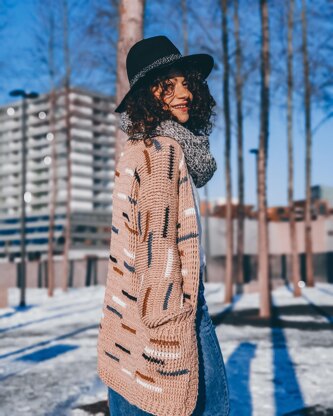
x=177, y=97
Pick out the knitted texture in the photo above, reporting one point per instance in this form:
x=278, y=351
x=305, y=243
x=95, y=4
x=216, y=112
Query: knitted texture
x=200, y=162
x=147, y=345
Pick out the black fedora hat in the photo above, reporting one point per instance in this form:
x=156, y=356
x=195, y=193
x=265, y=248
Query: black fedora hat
x=155, y=53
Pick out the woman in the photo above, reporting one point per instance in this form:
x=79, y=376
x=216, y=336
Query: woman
x=158, y=352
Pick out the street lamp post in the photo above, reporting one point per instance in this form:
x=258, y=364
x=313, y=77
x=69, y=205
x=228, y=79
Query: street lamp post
x=25, y=96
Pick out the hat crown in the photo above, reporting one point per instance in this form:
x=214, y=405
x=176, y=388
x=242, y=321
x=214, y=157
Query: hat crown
x=155, y=53
x=146, y=52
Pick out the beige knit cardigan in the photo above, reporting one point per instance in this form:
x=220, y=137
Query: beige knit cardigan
x=147, y=345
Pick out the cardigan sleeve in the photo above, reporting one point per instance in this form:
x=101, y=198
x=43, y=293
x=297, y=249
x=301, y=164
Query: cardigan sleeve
x=158, y=266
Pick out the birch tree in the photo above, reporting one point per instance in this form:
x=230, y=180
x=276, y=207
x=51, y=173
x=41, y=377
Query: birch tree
x=240, y=159
x=308, y=138
x=102, y=32
x=45, y=53
x=290, y=88
x=52, y=137
x=263, y=253
x=131, y=21
x=227, y=152
x=66, y=84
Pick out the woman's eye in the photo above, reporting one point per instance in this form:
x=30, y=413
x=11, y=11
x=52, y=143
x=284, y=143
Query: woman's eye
x=169, y=87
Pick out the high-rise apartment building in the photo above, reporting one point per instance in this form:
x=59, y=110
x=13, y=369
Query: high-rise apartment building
x=88, y=121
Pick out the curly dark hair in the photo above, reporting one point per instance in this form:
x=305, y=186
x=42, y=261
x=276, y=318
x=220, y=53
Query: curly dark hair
x=146, y=111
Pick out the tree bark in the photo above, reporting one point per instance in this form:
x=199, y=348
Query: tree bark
x=52, y=103
x=240, y=160
x=67, y=81
x=229, y=224
x=292, y=225
x=263, y=253
x=207, y=234
x=131, y=20
x=184, y=24
x=53, y=199
x=308, y=133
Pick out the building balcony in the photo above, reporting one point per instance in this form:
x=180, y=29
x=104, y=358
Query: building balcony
x=10, y=124
x=38, y=131
x=104, y=175
x=76, y=97
x=81, y=157
x=81, y=133
x=11, y=137
x=7, y=191
x=11, y=170
x=36, y=107
x=11, y=147
x=9, y=158
x=80, y=205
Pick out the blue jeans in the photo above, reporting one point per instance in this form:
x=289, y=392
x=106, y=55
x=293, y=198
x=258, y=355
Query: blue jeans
x=213, y=395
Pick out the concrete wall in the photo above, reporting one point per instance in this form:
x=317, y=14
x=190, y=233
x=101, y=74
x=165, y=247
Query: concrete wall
x=36, y=273
x=91, y=271
x=279, y=237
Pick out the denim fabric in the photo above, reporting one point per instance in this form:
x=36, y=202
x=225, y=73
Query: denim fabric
x=213, y=396
x=119, y=406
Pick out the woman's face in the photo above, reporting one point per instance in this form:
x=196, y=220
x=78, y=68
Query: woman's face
x=177, y=97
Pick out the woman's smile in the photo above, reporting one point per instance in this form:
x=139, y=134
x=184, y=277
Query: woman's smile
x=181, y=107
x=177, y=98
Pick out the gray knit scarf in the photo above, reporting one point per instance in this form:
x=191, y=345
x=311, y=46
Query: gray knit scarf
x=200, y=162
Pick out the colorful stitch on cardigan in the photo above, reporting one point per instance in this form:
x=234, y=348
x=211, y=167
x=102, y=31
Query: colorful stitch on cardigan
x=166, y=222
x=164, y=342
x=147, y=158
x=113, y=259
x=129, y=296
x=173, y=373
x=131, y=230
x=122, y=348
x=110, y=308
x=112, y=356
x=171, y=160
x=116, y=269
x=129, y=267
x=150, y=253
x=167, y=296
x=116, y=230
x=128, y=328
x=153, y=359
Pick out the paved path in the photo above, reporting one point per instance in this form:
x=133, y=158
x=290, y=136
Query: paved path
x=275, y=367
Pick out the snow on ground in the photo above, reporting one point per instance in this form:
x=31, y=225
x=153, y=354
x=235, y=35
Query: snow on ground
x=275, y=367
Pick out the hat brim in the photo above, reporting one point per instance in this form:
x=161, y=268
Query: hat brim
x=201, y=61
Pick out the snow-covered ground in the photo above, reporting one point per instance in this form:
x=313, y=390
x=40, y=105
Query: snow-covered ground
x=48, y=352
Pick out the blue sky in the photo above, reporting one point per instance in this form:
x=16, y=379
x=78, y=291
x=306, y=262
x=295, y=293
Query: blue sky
x=18, y=39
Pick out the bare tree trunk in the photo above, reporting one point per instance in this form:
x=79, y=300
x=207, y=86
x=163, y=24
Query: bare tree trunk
x=131, y=20
x=184, y=24
x=207, y=234
x=293, y=235
x=50, y=263
x=307, y=109
x=229, y=224
x=207, y=213
x=263, y=254
x=68, y=147
x=239, y=111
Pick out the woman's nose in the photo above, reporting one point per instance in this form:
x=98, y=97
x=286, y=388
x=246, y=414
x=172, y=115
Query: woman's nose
x=181, y=91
